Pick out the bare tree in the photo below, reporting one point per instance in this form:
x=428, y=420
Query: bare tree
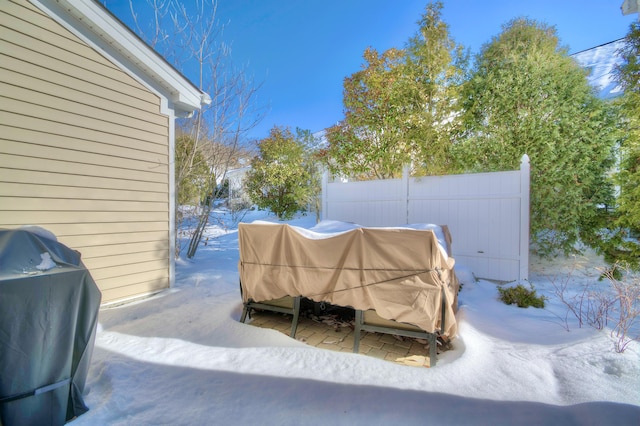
x=599, y=306
x=189, y=35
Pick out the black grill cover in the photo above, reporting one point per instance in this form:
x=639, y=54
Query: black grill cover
x=48, y=319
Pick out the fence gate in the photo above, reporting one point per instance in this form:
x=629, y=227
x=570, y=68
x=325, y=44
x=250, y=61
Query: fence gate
x=487, y=213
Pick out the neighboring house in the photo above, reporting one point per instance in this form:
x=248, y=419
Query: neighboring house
x=236, y=178
x=629, y=7
x=87, y=123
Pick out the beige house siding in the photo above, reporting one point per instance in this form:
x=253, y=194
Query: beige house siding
x=84, y=153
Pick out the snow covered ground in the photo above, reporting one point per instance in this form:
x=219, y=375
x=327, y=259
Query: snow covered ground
x=182, y=358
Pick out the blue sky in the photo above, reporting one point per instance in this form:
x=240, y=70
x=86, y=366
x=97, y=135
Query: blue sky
x=300, y=51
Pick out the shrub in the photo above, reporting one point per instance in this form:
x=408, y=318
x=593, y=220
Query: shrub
x=521, y=296
x=280, y=177
x=618, y=306
x=625, y=309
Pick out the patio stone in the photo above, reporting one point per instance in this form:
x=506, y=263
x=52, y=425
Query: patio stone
x=338, y=338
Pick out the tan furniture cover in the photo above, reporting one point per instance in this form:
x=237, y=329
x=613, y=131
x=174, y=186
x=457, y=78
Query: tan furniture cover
x=401, y=273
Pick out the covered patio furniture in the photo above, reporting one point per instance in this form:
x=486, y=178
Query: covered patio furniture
x=285, y=305
x=402, y=274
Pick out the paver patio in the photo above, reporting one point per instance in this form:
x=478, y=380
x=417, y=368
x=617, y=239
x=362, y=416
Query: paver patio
x=336, y=335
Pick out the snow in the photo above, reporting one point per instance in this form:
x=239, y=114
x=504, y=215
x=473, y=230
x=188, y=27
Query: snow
x=331, y=228
x=47, y=263
x=182, y=357
x=39, y=231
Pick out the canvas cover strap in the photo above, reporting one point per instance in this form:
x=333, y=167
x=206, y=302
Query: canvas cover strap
x=38, y=391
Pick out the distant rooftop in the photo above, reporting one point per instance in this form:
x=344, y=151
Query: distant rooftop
x=601, y=62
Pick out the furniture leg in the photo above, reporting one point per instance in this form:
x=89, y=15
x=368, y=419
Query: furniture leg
x=356, y=332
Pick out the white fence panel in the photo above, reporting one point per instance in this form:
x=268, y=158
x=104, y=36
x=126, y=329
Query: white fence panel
x=487, y=214
x=378, y=202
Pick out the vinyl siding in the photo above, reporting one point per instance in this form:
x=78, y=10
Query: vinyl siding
x=84, y=153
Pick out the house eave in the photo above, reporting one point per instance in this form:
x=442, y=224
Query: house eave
x=91, y=21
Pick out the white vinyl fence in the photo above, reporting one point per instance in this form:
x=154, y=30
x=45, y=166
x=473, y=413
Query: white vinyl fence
x=487, y=213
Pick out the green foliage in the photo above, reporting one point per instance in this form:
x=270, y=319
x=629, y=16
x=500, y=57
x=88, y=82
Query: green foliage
x=625, y=249
x=527, y=96
x=400, y=107
x=617, y=239
x=628, y=73
x=193, y=175
x=521, y=296
x=280, y=178
x=311, y=148
x=369, y=142
x=223, y=189
x=435, y=69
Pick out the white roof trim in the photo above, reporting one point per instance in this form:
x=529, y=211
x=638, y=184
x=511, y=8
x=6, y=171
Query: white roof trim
x=95, y=25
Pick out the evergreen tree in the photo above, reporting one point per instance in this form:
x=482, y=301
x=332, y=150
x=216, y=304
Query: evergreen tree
x=279, y=178
x=629, y=176
x=400, y=107
x=195, y=180
x=527, y=96
x=620, y=248
x=435, y=68
x=311, y=145
x=369, y=142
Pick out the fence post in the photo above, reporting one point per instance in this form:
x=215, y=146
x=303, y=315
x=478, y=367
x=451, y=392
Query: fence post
x=324, y=205
x=405, y=193
x=525, y=188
